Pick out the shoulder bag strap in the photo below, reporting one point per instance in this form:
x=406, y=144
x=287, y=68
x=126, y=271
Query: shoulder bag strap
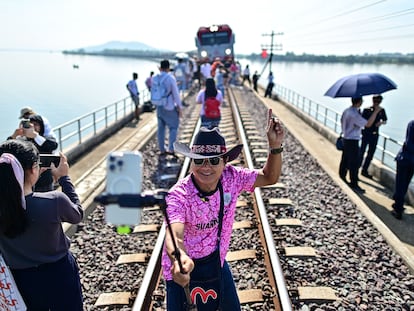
x=221, y=213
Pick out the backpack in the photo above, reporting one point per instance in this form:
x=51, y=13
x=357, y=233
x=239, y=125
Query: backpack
x=178, y=72
x=159, y=91
x=212, y=108
x=148, y=106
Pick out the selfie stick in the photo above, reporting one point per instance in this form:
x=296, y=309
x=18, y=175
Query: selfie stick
x=132, y=200
x=139, y=200
x=190, y=306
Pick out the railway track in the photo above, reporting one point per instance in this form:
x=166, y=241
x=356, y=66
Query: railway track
x=263, y=292
x=121, y=272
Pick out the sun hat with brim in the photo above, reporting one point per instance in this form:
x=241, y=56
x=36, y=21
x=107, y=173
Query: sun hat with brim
x=208, y=143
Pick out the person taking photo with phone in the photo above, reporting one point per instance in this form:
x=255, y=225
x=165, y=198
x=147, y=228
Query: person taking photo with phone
x=32, y=130
x=32, y=240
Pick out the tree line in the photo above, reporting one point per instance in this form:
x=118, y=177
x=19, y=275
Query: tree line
x=390, y=58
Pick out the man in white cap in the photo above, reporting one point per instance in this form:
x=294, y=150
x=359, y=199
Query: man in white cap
x=26, y=112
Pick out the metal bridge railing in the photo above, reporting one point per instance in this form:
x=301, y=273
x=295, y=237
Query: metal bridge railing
x=387, y=147
x=75, y=132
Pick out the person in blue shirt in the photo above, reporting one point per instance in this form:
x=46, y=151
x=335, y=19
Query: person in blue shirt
x=168, y=115
x=270, y=85
x=352, y=123
x=133, y=91
x=405, y=171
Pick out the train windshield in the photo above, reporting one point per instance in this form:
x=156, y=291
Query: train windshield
x=213, y=38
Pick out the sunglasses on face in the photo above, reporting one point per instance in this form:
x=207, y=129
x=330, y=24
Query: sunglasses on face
x=212, y=161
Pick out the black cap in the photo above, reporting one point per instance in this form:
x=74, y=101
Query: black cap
x=165, y=64
x=377, y=97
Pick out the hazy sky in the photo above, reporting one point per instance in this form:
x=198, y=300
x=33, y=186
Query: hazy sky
x=311, y=26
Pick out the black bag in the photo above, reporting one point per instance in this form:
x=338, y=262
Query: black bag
x=205, y=282
x=148, y=106
x=340, y=142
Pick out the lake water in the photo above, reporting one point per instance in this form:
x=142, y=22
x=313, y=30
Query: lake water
x=49, y=83
x=52, y=87
x=312, y=80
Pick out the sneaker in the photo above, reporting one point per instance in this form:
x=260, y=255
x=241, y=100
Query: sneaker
x=397, y=215
x=365, y=174
x=358, y=189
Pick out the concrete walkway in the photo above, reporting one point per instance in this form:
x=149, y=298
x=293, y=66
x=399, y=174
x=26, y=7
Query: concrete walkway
x=375, y=203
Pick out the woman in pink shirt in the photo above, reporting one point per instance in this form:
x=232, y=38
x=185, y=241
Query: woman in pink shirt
x=201, y=209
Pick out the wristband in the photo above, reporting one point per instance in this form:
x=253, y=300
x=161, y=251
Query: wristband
x=276, y=150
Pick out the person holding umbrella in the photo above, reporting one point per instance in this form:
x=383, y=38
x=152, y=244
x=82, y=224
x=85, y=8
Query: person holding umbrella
x=352, y=123
x=370, y=134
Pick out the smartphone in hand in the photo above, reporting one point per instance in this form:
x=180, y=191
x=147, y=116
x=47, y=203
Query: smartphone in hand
x=47, y=159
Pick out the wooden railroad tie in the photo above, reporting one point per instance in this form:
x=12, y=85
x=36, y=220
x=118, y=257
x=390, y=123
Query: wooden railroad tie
x=245, y=224
x=142, y=228
x=108, y=299
x=316, y=294
x=250, y=296
x=280, y=201
x=300, y=251
x=291, y=222
x=132, y=258
x=261, y=144
x=278, y=185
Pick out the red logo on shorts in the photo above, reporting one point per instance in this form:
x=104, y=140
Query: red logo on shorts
x=203, y=294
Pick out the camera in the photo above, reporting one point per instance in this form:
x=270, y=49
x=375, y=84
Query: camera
x=47, y=159
x=25, y=123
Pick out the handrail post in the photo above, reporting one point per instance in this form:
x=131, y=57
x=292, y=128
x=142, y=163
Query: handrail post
x=94, y=123
x=106, y=117
x=60, y=139
x=79, y=132
x=383, y=150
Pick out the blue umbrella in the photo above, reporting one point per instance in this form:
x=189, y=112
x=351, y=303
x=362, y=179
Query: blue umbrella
x=361, y=84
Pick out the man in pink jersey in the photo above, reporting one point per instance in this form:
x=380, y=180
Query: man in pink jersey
x=201, y=209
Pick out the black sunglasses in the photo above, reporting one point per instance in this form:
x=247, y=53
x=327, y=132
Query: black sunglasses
x=213, y=161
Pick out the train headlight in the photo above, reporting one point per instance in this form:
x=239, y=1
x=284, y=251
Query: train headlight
x=203, y=53
x=227, y=51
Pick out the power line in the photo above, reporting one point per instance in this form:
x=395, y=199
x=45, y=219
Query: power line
x=386, y=38
x=350, y=33
x=338, y=15
x=356, y=23
x=350, y=11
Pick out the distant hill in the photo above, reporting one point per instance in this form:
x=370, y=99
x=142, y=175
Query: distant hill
x=119, y=45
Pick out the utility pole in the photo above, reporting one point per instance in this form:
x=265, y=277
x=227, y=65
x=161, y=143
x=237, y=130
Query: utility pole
x=273, y=47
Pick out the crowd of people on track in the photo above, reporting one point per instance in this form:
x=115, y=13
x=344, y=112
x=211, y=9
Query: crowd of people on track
x=37, y=250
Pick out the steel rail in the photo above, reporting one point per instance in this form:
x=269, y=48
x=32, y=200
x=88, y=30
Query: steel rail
x=274, y=258
x=143, y=299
